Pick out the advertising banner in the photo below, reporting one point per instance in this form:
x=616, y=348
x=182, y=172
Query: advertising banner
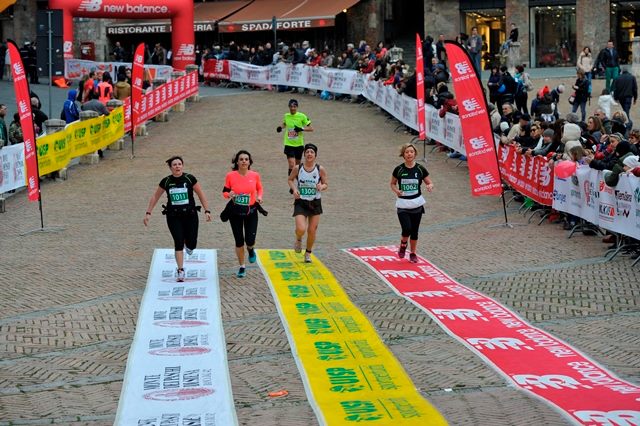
x=587, y=196
x=23, y=101
x=137, y=75
x=177, y=371
x=213, y=68
x=474, y=120
x=350, y=376
x=74, y=69
x=420, y=88
x=12, y=173
x=529, y=358
x=530, y=176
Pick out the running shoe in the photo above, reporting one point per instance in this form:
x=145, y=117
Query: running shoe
x=189, y=251
x=297, y=245
x=413, y=258
x=402, y=250
x=241, y=272
x=307, y=257
x=252, y=256
x=180, y=275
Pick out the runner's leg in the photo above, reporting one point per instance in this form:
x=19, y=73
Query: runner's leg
x=301, y=226
x=236, y=226
x=312, y=231
x=177, y=232
x=415, y=227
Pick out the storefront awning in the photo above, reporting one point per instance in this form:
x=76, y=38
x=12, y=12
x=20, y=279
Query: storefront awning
x=290, y=15
x=205, y=16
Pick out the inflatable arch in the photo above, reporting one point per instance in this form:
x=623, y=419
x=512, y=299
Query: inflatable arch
x=180, y=12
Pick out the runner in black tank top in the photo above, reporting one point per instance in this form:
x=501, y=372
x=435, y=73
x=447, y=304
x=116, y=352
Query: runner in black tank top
x=307, y=180
x=406, y=181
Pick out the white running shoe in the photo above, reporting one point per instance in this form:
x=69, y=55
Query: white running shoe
x=297, y=245
x=188, y=250
x=307, y=257
x=180, y=275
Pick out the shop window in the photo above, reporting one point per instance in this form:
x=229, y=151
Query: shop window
x=625, y=20
x=491, y=27
x=553, y=32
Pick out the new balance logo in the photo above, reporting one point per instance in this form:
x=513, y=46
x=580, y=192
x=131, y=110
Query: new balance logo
x=610, y=418
x=17, y=68
x=498, y=343
x=401, y=274
x=471, y=104
x=463, y=314
x=463, y=67
x=89, y=5
x=67, y=46
x=185, y=50
x=139, y=59
x=478, y=143
x=22, y=107
x=485, y=178
x=427, y=294
x=553, y=381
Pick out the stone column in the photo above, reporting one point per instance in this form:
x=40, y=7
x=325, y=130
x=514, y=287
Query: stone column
x=51, y=126
x=592, y=25
x=89, y=158
x=119, y=144
x=196, y=97
x=513, y=57
x=442, y=17
x=635, y=67
x=163, y=116
x=179, y=107
x=517, y=12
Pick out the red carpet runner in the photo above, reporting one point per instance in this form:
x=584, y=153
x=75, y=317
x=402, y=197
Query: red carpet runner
x=528, y=357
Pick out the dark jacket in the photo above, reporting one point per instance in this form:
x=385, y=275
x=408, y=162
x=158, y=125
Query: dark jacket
x=581, y=86
x=607, y=59
x=625, y=86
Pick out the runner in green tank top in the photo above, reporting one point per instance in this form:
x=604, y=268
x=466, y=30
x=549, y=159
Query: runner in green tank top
x=294, y=124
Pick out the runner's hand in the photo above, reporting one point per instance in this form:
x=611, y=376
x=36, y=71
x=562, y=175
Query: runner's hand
x=296, y=194
x=279, y=129
x=232, y=194
x=207, y=217
x=429, y=187
x=146, y=219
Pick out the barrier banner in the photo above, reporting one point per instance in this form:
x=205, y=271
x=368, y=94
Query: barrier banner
x=476, y=126
x=23, y=101
x=177, y=371
x=77, y=139
x=12, y=174
x=74, y=69
x=420, y=89
x=529, y=358
x=164, y=97
x=530, y=176
x=213, y=68
x=587, y=196
x=350, y=376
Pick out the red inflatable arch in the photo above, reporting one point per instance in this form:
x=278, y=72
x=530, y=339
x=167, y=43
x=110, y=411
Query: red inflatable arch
x=180, y=12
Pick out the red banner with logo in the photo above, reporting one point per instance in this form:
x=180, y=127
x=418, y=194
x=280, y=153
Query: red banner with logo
x=476, y=125
x=420, y=88
x=137, y=75
x=530, y=176
x=528, y=357
x=23, y=102
x=214, y=68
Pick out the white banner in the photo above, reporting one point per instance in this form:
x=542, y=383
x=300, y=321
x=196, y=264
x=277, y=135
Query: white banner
x=585, y=195
x=74, y=69
x=177, y=369
x=12, y=171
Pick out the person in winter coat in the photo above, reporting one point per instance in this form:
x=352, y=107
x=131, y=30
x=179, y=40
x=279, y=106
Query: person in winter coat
x=581, y=87
x=71, y=107
x=585, y=63
x=612, y=178
x=606, y=160
x=122, y=89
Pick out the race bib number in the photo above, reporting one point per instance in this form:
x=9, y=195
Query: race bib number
x=409, y=187
x=309, y=191
x=179, y=196
x=242, y=199
x=292, y=134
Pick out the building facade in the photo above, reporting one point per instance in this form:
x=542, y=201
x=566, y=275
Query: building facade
x=551, y=32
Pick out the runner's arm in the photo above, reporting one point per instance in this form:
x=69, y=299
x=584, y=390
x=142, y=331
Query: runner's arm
x=323, y=184
x=292, y=181
x=259, y=189
x=427, y=181
x=152, y=203
x=203, y=200
x=394, y=186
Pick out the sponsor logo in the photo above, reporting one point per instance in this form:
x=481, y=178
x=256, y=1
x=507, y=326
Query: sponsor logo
x=463, y=314
x=463, y=67
x=68, y=45
x=610, y=418
x=379, y=258
x=560, y=197
x=636, y=195
x=183, y=351
x=485, y=178
x=549, y=381
x=623, y=196
x=17, y=69
x=470, y=104
x=478, y=143
x=89, y=5
x=401, y=274
x=498, y=343
x=178, y=394
x=186, y=50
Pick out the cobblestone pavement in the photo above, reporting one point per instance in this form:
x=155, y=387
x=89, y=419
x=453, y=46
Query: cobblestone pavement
x=70, y=299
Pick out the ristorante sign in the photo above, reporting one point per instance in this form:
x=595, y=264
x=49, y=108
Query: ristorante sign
x=134, y=28
x=288, y=24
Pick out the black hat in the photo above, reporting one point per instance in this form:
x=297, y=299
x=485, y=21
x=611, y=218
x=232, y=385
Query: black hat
x=293, y=102
x=311, y=146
